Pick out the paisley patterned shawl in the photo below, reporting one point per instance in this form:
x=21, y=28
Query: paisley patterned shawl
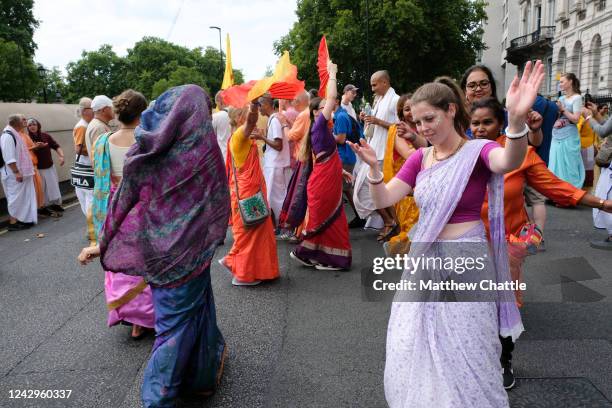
x=102, y=182
x=170, y=211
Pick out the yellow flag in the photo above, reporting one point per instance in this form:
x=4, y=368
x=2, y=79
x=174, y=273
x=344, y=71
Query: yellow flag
x=228, y=77
x=282, y=70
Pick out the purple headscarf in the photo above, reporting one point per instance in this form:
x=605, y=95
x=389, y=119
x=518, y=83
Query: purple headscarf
x=171, y=209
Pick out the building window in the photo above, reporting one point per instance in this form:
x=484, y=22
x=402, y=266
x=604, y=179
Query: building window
x=561, y=61
x=577, y=60
x=595, y=63
x=552, y=12
x=549, y=76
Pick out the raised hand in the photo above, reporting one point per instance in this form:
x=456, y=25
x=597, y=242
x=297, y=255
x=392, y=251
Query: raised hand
x=365, y=152
x=332, y=68
x=522, y=93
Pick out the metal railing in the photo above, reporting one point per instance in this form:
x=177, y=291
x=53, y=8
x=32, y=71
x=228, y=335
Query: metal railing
x=543, y=33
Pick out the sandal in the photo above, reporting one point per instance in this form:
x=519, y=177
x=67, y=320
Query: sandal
x=384, y=237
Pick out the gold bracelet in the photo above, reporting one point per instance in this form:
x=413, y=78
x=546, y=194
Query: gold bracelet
x=601, y=204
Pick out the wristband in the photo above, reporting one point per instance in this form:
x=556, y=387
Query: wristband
x=517, y=135
x=375, y=181
x=601, y=204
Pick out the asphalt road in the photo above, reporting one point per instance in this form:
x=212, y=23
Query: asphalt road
x=306, y=340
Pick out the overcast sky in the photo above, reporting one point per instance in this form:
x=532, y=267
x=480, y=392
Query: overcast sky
x=67, y=27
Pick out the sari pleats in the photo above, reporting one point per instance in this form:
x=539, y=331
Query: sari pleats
x=326, y=236
x=189, y=349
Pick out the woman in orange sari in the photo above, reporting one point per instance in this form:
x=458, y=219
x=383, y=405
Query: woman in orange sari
x=400, y=139
x=253, y=257
x=325, y=238
x=487, y=123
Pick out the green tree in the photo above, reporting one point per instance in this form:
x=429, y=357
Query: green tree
x=18, y=76
x=17, y=24
x=153, y=61
x=181, y=76
x=100, y=72
x=415, y=40
x=55, y=85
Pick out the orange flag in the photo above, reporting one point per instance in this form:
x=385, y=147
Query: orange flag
x=323, y=57
x=236, y=96
x=285, y=72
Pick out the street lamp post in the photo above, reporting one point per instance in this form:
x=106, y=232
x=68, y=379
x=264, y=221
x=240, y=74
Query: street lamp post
x=42, y=74
x=220, y=49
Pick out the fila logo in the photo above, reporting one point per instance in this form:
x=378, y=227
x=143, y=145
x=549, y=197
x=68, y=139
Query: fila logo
x=81, y=182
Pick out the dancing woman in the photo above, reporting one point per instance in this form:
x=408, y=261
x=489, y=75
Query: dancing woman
x=447, y=354
x=325, y=238
x=164, y=223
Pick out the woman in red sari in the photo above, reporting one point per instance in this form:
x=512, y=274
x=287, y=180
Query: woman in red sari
x=325, y=238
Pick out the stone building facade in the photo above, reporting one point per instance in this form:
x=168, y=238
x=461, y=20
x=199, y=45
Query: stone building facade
x=567, y=35
x=583, y=43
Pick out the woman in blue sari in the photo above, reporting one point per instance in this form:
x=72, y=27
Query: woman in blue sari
x=565, y=159
x=164, y=223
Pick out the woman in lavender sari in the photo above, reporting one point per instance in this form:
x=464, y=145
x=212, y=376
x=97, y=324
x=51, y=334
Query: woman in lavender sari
x=164, y=223
x=446, y=354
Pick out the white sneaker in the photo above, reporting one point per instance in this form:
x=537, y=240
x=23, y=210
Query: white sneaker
x=327, y=268
x=222, y=263
x=300, y=260
x=237, y=282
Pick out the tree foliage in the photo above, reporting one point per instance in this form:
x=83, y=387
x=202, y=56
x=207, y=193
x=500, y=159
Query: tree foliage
x=17, y=24
x=100, y=72
x=18, y=76
x=152, y=66
x=415, y=40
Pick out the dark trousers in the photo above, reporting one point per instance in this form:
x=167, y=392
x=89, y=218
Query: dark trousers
x=507, y=349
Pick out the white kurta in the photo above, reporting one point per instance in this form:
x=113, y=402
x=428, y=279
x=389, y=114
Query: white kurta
x=277, y=170
x=602, y=219
x=20, y=197
x=223, y=130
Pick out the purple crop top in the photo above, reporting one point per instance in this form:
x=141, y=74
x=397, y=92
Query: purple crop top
x=470, y=204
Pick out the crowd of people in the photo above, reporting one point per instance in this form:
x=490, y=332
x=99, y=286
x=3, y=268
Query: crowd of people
x=447, y=163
